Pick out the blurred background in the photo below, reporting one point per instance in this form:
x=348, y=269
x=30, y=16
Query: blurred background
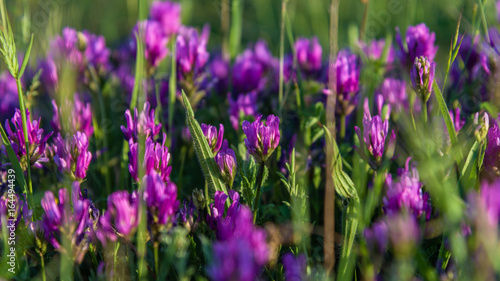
x=261, y=18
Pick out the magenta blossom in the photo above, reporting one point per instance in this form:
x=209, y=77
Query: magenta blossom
x=143, y=124
x=375, y=49
x=214, y=139
x=192, y=52
x=406, y=193
x=36, y=140
x=295, y=267
x=422, y=77
x=72, y=155
x=155, y=41
x=419, y=43
x=308, y=54
x=262, y=139
x=156, y=158
x=245, y=104
x=161, y=199
x=226, y=160
x=80, y=113
x=168, y=14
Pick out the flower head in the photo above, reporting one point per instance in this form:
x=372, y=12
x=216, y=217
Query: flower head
x=226, y=160
x=9, y=100
x=422, y=77
x=491, y=162
x=294, y=266
x=394, y=93
x=168, y=14
x=308, y=53
x=214, y=140
x=192, y=52
x=245, y=104
x=377, y=238
x=406, y=193
x=490, y=201
x=262, y=139
x=76, y=219
x=143, y=124
x=72, y=155
x=375, y=49
x=81, y=116
x=155, y=41
x=250, y=67
x=36, y=140
x=156, y=158
x=419, y=43
x=121, y=218
x=161, y=199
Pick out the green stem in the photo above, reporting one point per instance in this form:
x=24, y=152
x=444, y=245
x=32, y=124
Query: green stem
x=117, y=247
x=172, y=84
x=260, y=176
x=444, y=256
x=424, y=112
x=282, y=51
x=156, y=247
x=342, y=126
x=207, y=196
x=43, y=266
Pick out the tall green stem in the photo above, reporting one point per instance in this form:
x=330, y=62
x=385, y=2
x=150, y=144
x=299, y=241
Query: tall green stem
x=156, y=247
x=260, y=177
x=424, y=112
x=282, y=51
x=342, y=126
x=43, y=266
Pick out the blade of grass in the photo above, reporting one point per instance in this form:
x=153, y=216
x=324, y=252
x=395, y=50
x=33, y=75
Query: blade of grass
x=236, y=28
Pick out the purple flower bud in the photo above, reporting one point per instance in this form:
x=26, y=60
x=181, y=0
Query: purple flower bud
x=226, y=160
x=168, y=14
x=294, y=266
x=121, y=218
x=156, y=158
x=72, y=155
x=192, y=52
x=422, y=77
x=161, y=199
x=406, y=193
x=80, y=113
x=9, y=99
x=245, y=105
x=308, y=54
x=214, y=140
x=219, y=69
x=262, y=139
x=419, y=43
x=377, y=237
x=155, y=41
x=482, y=126
x=36, y=140
x=374, y=133
x=455, y=118
x=144, y=124
x=96, y=53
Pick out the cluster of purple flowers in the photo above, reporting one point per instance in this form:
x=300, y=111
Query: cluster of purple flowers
x=71, y=155
x=406, y=193
x=240, y=251
x=262, y=139
x=81, y=116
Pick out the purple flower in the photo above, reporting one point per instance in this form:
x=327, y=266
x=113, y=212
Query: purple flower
x=419, y=43
x=214, y=140
x=161, y=199
x=377, y=237
x=347, y=81
x=262, y=139
x=490, y=201
x=74, y=220
x=375, y=49
x=245, y=105
x=72, y=155
x=394, y=93
x=295, y=267
x=9, y=99
x=192, y=52
x=155, y=41
x=491, y=162
x=144, y=124
x=168, y=14
x=226, y=160
x=498, y=10
x=80, y=113
x=241, y=249
x=422, y=77
x=374, y=133
x=80, y=48
x=248, y=73
x=308, y=54
x=36, y=140
x=219, y=69
x=49, y=77
x=121, y=218
x=156, y=158
x=406, y=193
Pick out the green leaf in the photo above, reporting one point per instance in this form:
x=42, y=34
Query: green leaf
x=203, y=150
x=446, y=114
x=342, y=182
x=349, y=229
x=14, y=161
x=26, y=58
